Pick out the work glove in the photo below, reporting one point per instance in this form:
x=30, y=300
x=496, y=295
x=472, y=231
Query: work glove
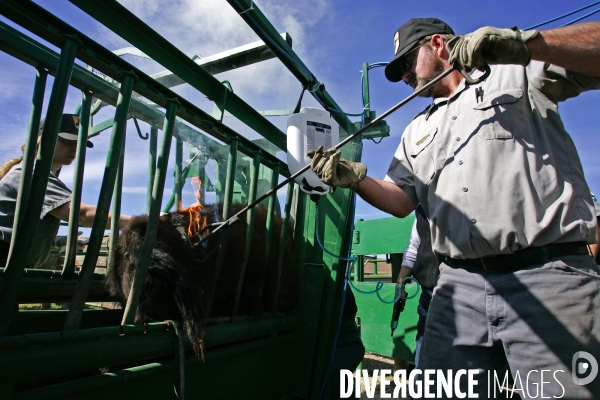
x=489, y=45
x=335, y=171
x=401, y=303
x=60, y=243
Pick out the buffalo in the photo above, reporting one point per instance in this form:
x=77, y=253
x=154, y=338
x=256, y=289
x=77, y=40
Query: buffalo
x=181, y=272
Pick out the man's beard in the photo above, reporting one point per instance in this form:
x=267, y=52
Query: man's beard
x=435, y=67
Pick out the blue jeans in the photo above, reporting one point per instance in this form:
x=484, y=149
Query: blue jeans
x=422, y=310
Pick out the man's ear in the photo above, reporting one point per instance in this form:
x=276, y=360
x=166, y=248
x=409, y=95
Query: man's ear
x=438, y=44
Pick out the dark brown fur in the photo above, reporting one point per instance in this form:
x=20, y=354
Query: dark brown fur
x=178, y=282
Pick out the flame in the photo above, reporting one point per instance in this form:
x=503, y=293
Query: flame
x=196, y=223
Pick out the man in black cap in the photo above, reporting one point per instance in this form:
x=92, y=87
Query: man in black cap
x=509, y=209
x=57, y=200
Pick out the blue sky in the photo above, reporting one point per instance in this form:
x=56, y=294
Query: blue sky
x=333, y=38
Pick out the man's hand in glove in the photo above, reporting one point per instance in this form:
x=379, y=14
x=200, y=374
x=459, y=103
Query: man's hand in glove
x=489, y=45
x=334, y=170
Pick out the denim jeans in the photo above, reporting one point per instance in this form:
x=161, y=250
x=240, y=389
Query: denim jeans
x=422, y=310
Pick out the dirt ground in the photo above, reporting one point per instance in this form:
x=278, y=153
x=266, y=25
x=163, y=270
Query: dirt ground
x=372, y=362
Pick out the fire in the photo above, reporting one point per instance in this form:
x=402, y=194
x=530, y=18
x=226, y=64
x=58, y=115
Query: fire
x=196, y=222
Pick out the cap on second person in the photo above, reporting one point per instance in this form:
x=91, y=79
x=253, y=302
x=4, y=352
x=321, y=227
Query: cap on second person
x=407, y=37
x=69, y=128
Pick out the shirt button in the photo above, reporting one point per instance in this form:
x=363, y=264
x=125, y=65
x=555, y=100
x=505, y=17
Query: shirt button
x=458, y=139
x=465, y=189
x=473, y=220
x=454, y=117
x=460, y=162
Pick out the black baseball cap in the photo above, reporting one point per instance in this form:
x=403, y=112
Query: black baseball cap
x=406, y=38
x=69, y=128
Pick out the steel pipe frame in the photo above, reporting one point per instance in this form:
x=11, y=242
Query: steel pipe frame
x=268, y=34
x=152, y=227
x=125, y=24
x=36, y=54
x=222, y=249
x=70, y=352
x=113, y=158
x=23, y=232
x=29, y=153
x=282, y=238
x=42, y=23
x=116, y=206
x=129, y=375
x=73, y=229
x=153, y=144
x=178, y=175
x=254, y=168
x=225, y=61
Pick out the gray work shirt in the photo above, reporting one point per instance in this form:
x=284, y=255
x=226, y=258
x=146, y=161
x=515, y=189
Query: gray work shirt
x=493, y=166
x=596, y=205
x=57, y=194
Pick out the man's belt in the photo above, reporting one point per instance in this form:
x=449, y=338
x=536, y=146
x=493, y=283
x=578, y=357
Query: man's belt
x=522, y=258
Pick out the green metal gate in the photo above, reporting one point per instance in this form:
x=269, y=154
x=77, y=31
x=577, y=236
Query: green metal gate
x=56, y=354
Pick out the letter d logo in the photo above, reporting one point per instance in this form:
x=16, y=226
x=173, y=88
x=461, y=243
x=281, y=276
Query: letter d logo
x=580, y=367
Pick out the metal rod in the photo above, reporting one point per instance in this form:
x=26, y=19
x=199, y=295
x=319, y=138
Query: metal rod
x=227, y=197
x=117, y=140
x=29, y=153
x=23, y=232
x=269, y=229
x=230, y=180
x=337, y=146
x=365, y=94
x=116, y=208
x=254, y=168
x=179, y=179
x=151, y=163
x=152, y=228
x=282, y=240
x=179, y=384
x=84, y=124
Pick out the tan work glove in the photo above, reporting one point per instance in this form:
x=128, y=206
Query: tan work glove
x=489, y=45
x=334, y=170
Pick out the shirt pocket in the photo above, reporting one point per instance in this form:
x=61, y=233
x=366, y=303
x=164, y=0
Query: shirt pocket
x=501, y=115
x=428, y=156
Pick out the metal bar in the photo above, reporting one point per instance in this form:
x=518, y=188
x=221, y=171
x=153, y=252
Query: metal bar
x=72, y=358
x=151, y=163
x=31, y=145
x=116, y=207
x=265, y=30
x=269, y=228
x=230, y=181
x=219, y=104
x=227, y=197
x=152, y=228
x=46, y=25
x=365, y=95
x=84, y=123
x=282, y=239
x=225, y=61
x=124, y=23
x=179, y=384
x=179, y=179
x=117, y=141
x=271, y=212
x=254, y=168
x=21, y=241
